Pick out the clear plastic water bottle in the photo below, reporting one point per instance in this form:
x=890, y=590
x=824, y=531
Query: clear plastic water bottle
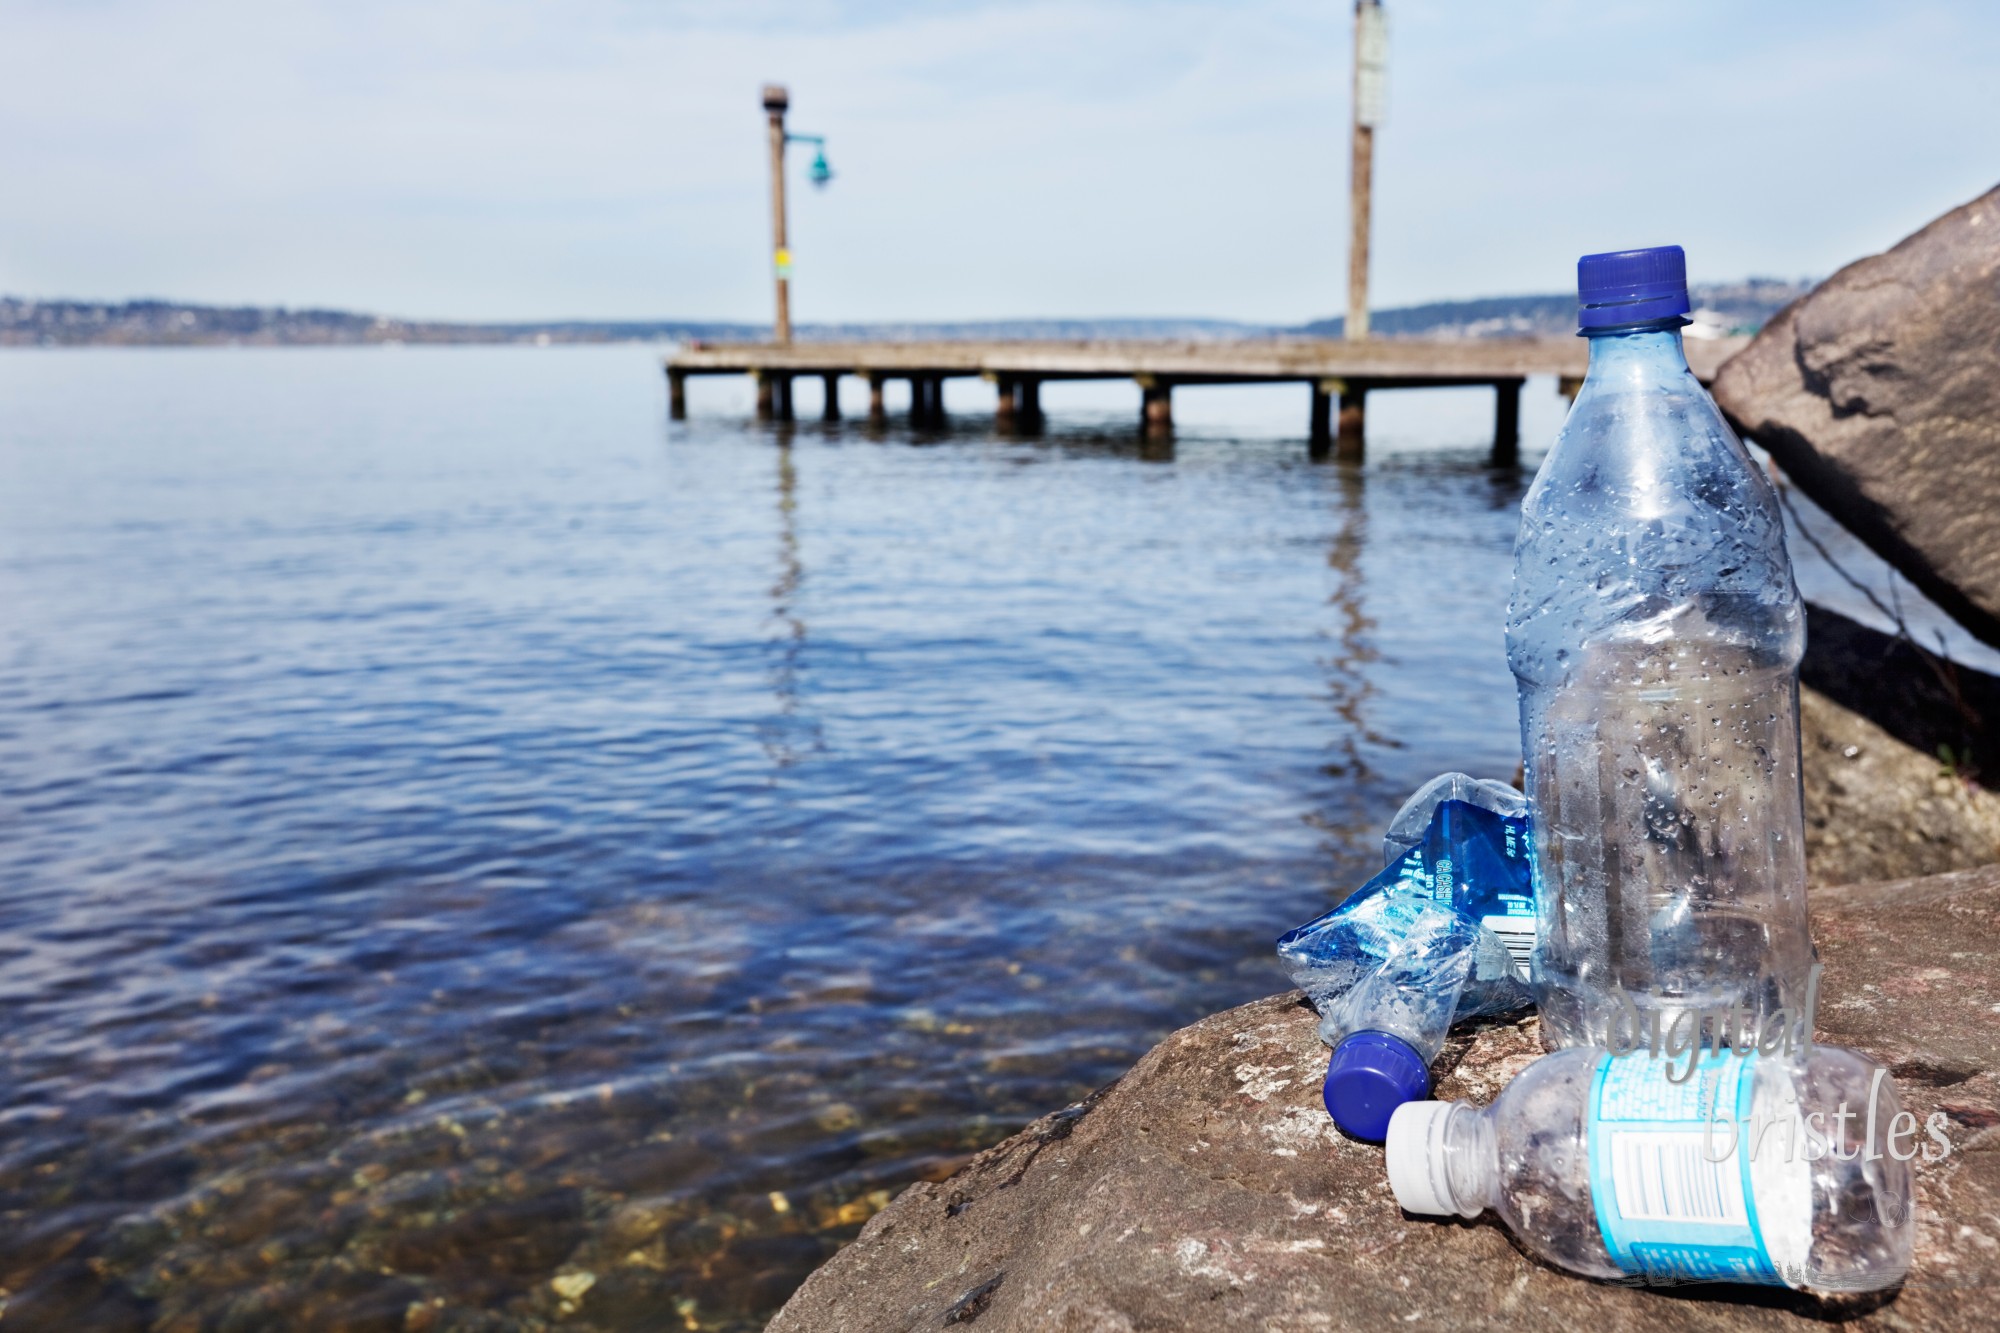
x=1752, y=1169
x=1655, y=634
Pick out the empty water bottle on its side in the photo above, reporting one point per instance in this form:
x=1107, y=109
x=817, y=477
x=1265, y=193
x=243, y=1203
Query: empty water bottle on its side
x=1751, y=1168
x=1655, y=634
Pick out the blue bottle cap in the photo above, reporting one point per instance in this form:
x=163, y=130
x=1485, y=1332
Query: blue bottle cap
x=1631, y=286
x=1372, y=1074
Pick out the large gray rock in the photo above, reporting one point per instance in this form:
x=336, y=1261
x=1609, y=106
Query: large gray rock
x=1879, y=809
x=1879, y=393
x=1208, y=1190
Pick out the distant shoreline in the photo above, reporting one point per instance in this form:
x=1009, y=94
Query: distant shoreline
x=1740, y=307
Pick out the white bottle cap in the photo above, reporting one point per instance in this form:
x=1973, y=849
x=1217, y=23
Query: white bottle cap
x=1415, y=1149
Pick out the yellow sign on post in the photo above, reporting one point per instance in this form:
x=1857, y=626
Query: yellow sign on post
x=782, y=262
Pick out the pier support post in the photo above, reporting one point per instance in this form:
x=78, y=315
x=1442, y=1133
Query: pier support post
x=1006, y=411
x=877, y=412
x=830, y=410
x=767, y=395
x=1156, y=406
x=677, y=395
x=1506, y=423
x=1350, y=437
x=926, y=400
x=1030, y=405
x=1569, y=386
x=782, y=396
x=1319, y=437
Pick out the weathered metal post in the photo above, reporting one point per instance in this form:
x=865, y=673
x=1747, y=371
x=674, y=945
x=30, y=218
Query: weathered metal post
x=677, y=394
x=1506, y=422
x=830, y=409
x=1156, y=406
x=776, y=99
x=1371, y=57
x=1350, y=441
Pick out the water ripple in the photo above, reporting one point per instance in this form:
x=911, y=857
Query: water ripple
x=459, y=829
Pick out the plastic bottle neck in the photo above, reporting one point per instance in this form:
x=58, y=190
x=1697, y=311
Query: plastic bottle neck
x=1442, y=1159
x=1472, y=1161
x=1637, y=355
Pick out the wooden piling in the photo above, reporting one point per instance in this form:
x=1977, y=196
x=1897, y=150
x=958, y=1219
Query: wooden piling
x=1030, y=405
x=1319, y=437
x=1506, y=422
x=1156, y=406
x=1006, y=410
x=776, y=99
x=1369, y=58
x=877, y=411
x=830, y=409
x=677, y=395
x=767, y=394
x=1350, y=436
x=926, y=400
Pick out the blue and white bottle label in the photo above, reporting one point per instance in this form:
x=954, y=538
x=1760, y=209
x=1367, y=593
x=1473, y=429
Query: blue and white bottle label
x=1670, y=1169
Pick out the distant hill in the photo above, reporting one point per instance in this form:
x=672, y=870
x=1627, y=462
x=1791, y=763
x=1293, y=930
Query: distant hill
x=29, y=323
x=1731, y=307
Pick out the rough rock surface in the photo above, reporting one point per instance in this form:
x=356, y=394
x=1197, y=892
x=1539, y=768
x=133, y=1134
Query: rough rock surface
x=1879, y=809
x=1208, y=1190
x=1933, y=705
x=1878, y=394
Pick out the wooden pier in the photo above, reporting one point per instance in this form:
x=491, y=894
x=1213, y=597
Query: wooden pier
x=1340, y=373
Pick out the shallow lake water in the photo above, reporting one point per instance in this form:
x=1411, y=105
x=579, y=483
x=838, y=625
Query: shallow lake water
x=476, y=854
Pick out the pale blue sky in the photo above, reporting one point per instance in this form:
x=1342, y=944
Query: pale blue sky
x=603, y=158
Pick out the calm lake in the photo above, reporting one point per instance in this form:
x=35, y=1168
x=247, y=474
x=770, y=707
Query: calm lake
x=474, y=852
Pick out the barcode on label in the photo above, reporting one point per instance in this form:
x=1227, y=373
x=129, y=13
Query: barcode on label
x=1665, y=1176
x=1518, y=934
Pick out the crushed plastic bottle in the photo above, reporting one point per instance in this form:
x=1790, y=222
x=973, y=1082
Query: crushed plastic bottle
x=1387, y=979
x=1482, y=866
x=1412, y=824
x=1753, y=1169
x=1655, y=634
x=1442, y=933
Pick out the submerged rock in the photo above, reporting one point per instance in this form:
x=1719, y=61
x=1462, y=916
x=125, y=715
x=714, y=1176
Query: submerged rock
x=1879, y=393
x=1207, y=1189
